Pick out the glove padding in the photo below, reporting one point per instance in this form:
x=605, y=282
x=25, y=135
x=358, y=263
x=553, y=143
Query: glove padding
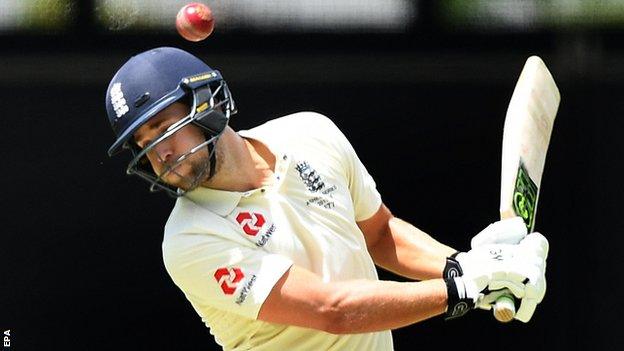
x=506, y=231
x=509, y=231
x=493, y=248
x=534, y=251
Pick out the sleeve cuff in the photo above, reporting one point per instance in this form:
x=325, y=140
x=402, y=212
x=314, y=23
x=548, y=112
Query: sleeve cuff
x=271, y=270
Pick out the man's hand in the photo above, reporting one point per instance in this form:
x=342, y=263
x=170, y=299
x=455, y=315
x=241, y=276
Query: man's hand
x=501, y=249
x=498, y=237
x=503, y=263
x=481, y=289
x=506, y=231
x=534, y=250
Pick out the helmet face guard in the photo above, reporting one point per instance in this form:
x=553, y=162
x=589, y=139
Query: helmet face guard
x=211, y=107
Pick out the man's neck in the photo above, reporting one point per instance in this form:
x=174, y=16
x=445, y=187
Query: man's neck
x=262, y=166
x=248, y=164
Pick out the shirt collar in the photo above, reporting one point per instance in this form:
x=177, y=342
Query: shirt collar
x=221, y=202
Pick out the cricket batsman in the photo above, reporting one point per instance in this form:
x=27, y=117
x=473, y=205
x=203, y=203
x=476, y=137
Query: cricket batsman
x=276, y=231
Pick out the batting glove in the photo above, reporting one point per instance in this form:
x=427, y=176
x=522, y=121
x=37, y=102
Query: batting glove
x=517, y=270
x=476, y=291
x=490, y=262
x=509, y=231
x=532, y=252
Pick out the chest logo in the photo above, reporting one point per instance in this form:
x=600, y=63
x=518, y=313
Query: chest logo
x=310, y=177
x=251, y=222
x=228, y=279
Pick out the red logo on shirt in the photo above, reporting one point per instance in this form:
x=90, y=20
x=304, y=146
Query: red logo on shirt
x=228, y=278
x=251, y=222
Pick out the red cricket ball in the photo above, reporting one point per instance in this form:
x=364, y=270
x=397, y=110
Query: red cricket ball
x=194, y=21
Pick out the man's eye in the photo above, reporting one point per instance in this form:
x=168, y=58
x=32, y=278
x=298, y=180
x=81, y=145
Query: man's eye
x=143, y=144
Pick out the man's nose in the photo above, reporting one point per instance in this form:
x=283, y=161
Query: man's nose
x=164, y=152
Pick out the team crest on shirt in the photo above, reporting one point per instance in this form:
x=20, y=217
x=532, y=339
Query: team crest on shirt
x=310, y=176
x=254, y=224
x=313, y=181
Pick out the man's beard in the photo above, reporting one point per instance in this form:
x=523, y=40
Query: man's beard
x=199, y=169
x=199, y=173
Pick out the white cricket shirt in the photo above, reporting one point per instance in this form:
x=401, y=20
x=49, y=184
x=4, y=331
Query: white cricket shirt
x=226, y=250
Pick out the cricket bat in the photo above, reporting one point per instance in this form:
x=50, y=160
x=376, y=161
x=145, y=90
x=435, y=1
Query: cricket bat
x=526, y=135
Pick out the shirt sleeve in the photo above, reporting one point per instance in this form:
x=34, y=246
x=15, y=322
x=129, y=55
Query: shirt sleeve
x=366, y=198
x=223, y=274
x=362, y=187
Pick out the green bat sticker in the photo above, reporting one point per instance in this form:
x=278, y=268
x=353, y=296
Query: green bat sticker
x=525, y=197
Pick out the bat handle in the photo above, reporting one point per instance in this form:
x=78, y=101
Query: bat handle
x=504, y=309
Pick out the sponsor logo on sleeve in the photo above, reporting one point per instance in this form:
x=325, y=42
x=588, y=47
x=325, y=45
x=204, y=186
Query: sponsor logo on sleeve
x=245, y=290
x=228, y=279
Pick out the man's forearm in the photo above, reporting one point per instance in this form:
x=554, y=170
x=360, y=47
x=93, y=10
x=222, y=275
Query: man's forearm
x=360, y=306
x=410, y=252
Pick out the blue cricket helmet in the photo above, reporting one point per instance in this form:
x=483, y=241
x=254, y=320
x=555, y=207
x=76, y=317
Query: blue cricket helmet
x=145, y=85
x=150, y=82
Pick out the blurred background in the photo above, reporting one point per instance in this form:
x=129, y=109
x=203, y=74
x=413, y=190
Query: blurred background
x=419, y=87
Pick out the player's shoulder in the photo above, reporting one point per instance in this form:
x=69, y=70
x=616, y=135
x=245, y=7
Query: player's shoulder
x=307, y=117
x=188, y=228
x=300, y=127
x=300, y=122
x=185, y=219
x=181, y=216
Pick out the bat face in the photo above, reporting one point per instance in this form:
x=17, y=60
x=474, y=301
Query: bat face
x=525, y=197
x=528, y=126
